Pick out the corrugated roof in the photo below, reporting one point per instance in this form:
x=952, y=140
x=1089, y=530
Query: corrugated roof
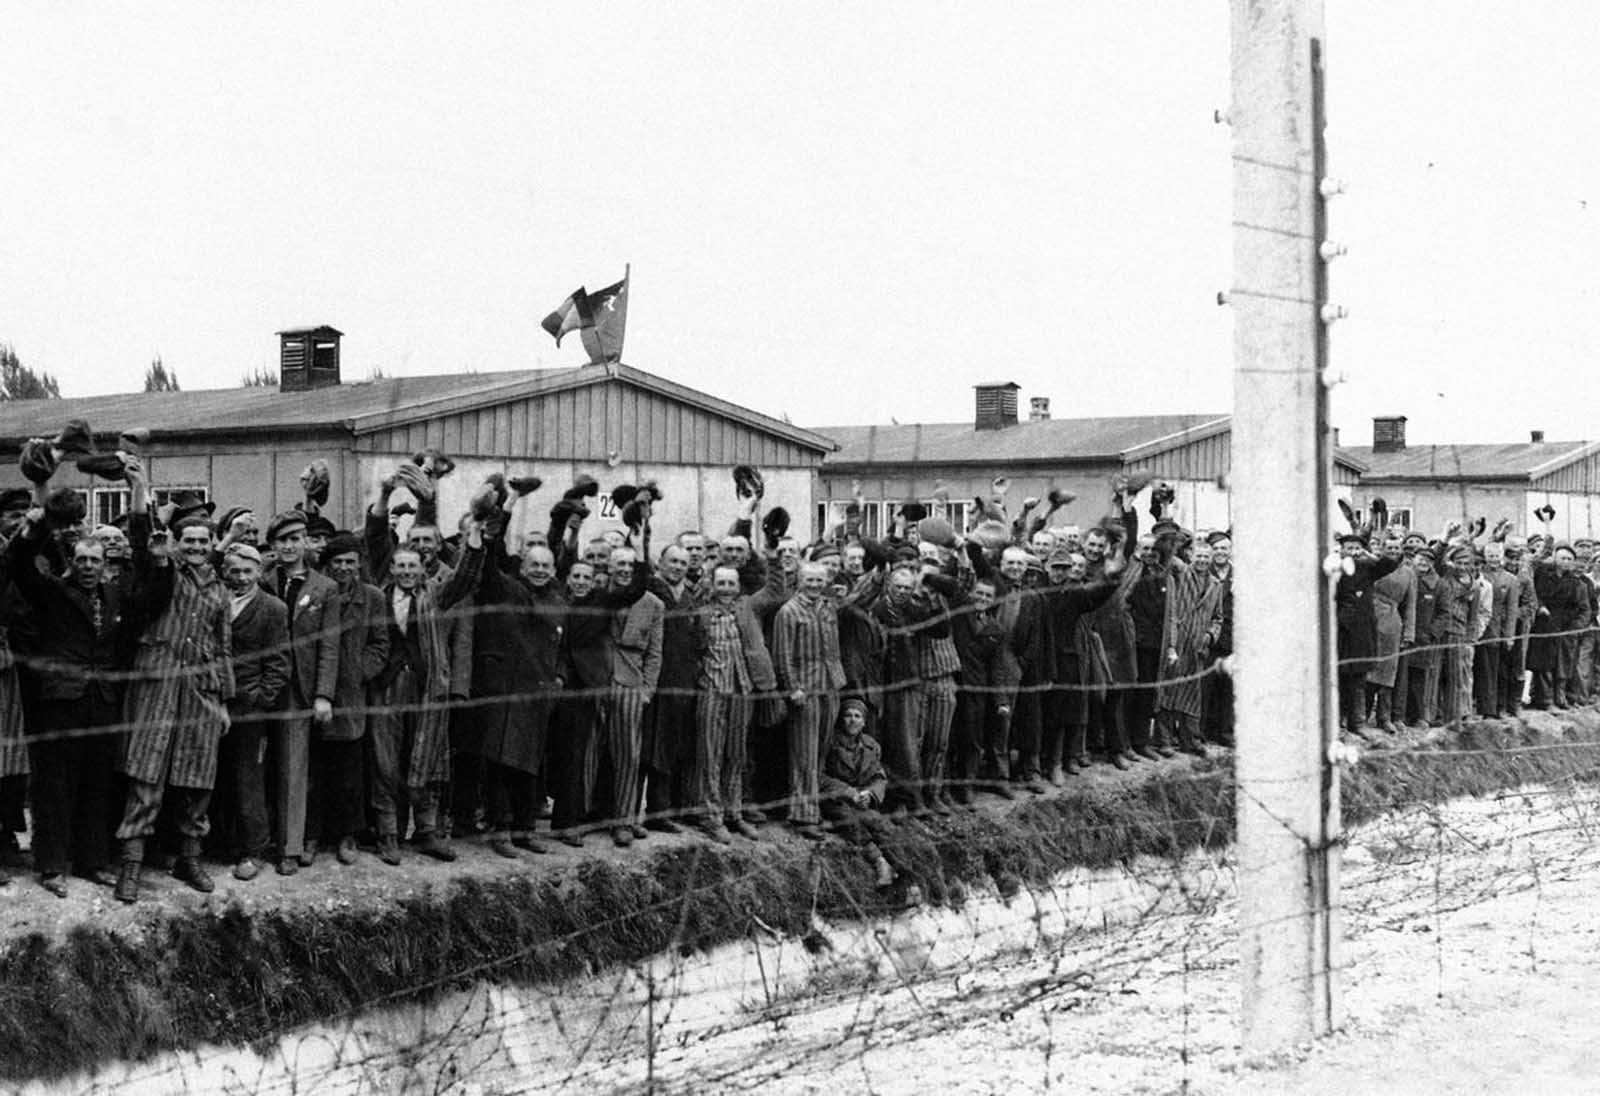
x=232, y=410
x=1513, y=460
x=1051, y=439
x=361, y=406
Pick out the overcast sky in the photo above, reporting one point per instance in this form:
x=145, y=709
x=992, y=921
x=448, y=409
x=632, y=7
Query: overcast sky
x=839, y=212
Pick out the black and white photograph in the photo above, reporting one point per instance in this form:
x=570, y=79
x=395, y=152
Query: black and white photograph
x=888, y=548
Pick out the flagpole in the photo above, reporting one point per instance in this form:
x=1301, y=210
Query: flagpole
x=627, y=287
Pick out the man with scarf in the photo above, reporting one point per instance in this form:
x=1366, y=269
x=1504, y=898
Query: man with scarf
x=177, y=706
x=408, y=740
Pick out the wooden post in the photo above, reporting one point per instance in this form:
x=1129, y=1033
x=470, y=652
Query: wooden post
x=1288, y=802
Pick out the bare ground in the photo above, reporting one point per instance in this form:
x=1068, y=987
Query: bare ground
x=1471, y=965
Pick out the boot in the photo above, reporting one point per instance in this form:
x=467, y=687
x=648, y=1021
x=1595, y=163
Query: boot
x=128, y=881
x=389, y=849
x=1385, y=711
x=187, y=869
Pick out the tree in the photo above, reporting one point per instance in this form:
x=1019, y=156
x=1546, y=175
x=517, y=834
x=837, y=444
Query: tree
x=158, y=378
x=261, y=378
x=18, y=382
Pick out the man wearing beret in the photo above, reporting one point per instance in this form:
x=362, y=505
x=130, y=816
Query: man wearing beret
x=177, y=708
x=311, y=599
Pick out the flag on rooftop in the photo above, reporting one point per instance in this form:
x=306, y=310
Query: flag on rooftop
x=600, y=318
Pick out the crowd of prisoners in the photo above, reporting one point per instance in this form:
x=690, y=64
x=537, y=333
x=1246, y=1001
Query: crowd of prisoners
x=194, y=686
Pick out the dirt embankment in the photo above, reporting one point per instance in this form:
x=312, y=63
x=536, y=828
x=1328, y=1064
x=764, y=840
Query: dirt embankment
x=87, y=984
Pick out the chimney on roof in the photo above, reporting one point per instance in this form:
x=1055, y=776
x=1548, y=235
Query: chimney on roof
x=1536, y=436
x=1039, y=409
x=997, y=405
x=1388, y=433
x=1336, y=437
x=308, y=357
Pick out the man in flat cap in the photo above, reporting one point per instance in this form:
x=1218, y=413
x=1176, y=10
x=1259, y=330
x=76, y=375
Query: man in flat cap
x=311, y=600
x=260, y=637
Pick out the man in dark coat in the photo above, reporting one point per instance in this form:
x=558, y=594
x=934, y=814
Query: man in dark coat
x=1357, y=626
x=516, y=677
x=260, y=638
x=336, y=800
x=1553, y=643
x=85, y=623
x=586, y=654
x=311, y=599
x=1419, y=701
x=669, y=724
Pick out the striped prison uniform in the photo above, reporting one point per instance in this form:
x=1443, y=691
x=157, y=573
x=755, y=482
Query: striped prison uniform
x=624, y=739
x=722, y=715
x=938, y=664
x=805, y=656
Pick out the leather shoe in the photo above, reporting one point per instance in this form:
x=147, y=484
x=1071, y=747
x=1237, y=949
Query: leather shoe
x=717, y=832
x=743, y=829
x=128, y=881
x=662, y=825
x=346, y=852
x=1119, y=761
x=1147, y=753
x=435, y=846
x=388, y=850
x=56, y=884
x=188, y=869
x=529, y=843
x=504, y=848
x=639, y=832
x=100, y=877
x=571, y=838
x=808, y=830
x=1001, y=788
x=309, y=856
x=622, y=836
x=246, y=869
x=288, y=865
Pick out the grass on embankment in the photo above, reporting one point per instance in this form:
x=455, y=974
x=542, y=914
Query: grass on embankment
x=234, y=977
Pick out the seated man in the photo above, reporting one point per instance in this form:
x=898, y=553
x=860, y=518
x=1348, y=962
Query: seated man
x=853, y=787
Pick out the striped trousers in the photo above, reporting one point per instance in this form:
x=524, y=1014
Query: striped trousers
x=810, y=729
x=938, y=713
x=902, y=751
x=624, y=741
x=719, y=752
